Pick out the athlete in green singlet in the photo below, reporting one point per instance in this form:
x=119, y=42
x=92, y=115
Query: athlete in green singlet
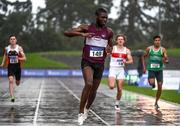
x=157, y=56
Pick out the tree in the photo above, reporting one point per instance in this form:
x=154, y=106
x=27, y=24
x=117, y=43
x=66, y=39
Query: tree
x=63, y=14
x=170, y=23
x=15, y=21
x=134, y=22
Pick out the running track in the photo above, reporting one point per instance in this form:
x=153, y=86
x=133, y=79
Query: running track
x=55, y=102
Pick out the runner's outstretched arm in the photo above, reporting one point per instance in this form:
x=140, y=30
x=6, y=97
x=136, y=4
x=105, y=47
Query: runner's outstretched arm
x=79, y=31
x=23, y=58
x=165, y=56
x=143, y=59
x=129, y=57
x=3, y=60
x=109, y=47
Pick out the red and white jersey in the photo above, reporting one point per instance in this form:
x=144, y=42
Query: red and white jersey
x=118, y=56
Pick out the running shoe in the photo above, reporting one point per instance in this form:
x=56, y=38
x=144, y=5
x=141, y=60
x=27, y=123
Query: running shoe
x=156, y=106
x=80, y=118
x=153, y=86
x=13, y=99
x=117, y=108
x=17, y=84
x=86, y=111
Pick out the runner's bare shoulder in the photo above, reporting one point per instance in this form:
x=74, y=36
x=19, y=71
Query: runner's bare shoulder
x=148, y=48
x=20, y=48
x=128, y=51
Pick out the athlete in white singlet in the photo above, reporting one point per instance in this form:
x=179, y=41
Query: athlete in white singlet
x=120, y=56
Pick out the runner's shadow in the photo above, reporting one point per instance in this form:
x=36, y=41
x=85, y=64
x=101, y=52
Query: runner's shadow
x=12, y=113
x=158, y=113
x=159, y=116
x=154, y=118
x=118, y=119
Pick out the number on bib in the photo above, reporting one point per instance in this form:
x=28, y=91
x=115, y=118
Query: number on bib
x=155, y=65
x=120, y=62
x=96, y=52
x=13, y=59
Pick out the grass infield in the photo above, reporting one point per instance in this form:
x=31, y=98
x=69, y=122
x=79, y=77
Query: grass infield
x=168, y=95
x=36, y=61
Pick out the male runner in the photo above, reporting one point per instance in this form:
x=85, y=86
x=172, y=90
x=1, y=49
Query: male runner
x=13, y=55
x=157, y=55
x=120, y=56
x=97, y=43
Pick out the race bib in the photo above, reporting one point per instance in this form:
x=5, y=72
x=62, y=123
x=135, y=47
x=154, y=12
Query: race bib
x=96, y=52
x=13, y=59
x=120, y=62
x=155, y=65
x=117, y=62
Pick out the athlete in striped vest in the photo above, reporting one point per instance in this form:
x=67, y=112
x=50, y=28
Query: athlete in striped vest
x=120, y=56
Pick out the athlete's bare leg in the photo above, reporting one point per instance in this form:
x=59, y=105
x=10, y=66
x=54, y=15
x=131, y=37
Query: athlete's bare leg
x=93, y=92
x=119, y=89
x=17, y=82
x=88, y=79
x=11, y=85
x=111, y=82
x=151, y=81
x=159, y=90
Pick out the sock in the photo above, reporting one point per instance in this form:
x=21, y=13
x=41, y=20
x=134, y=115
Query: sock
x=117, y=102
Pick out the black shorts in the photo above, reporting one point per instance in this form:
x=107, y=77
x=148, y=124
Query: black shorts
x=14, y=70
x=156, y=74
x=98, y=68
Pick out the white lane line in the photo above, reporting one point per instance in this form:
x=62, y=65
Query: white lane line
x=72, y=93
x=38, y=104
x=5, y=94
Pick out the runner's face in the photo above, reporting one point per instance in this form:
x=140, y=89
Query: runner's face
x=12, y=40
x=102, y=19
x=120, y=41
x=157, y=42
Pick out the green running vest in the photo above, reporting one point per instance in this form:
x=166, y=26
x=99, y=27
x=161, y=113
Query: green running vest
x=155, y=62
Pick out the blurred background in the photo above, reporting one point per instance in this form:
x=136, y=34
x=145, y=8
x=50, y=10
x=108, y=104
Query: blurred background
x=39, y=26
x=41, y=29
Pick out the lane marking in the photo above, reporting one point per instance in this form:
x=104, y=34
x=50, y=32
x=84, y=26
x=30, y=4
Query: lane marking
x=38, y=104
x=5, y=94
x=73, y=94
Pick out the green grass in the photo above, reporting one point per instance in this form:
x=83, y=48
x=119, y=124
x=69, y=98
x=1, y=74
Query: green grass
x=35, y=60
x=173, y=52
x=66, y=53
x=38, y=61
x=168, y=95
